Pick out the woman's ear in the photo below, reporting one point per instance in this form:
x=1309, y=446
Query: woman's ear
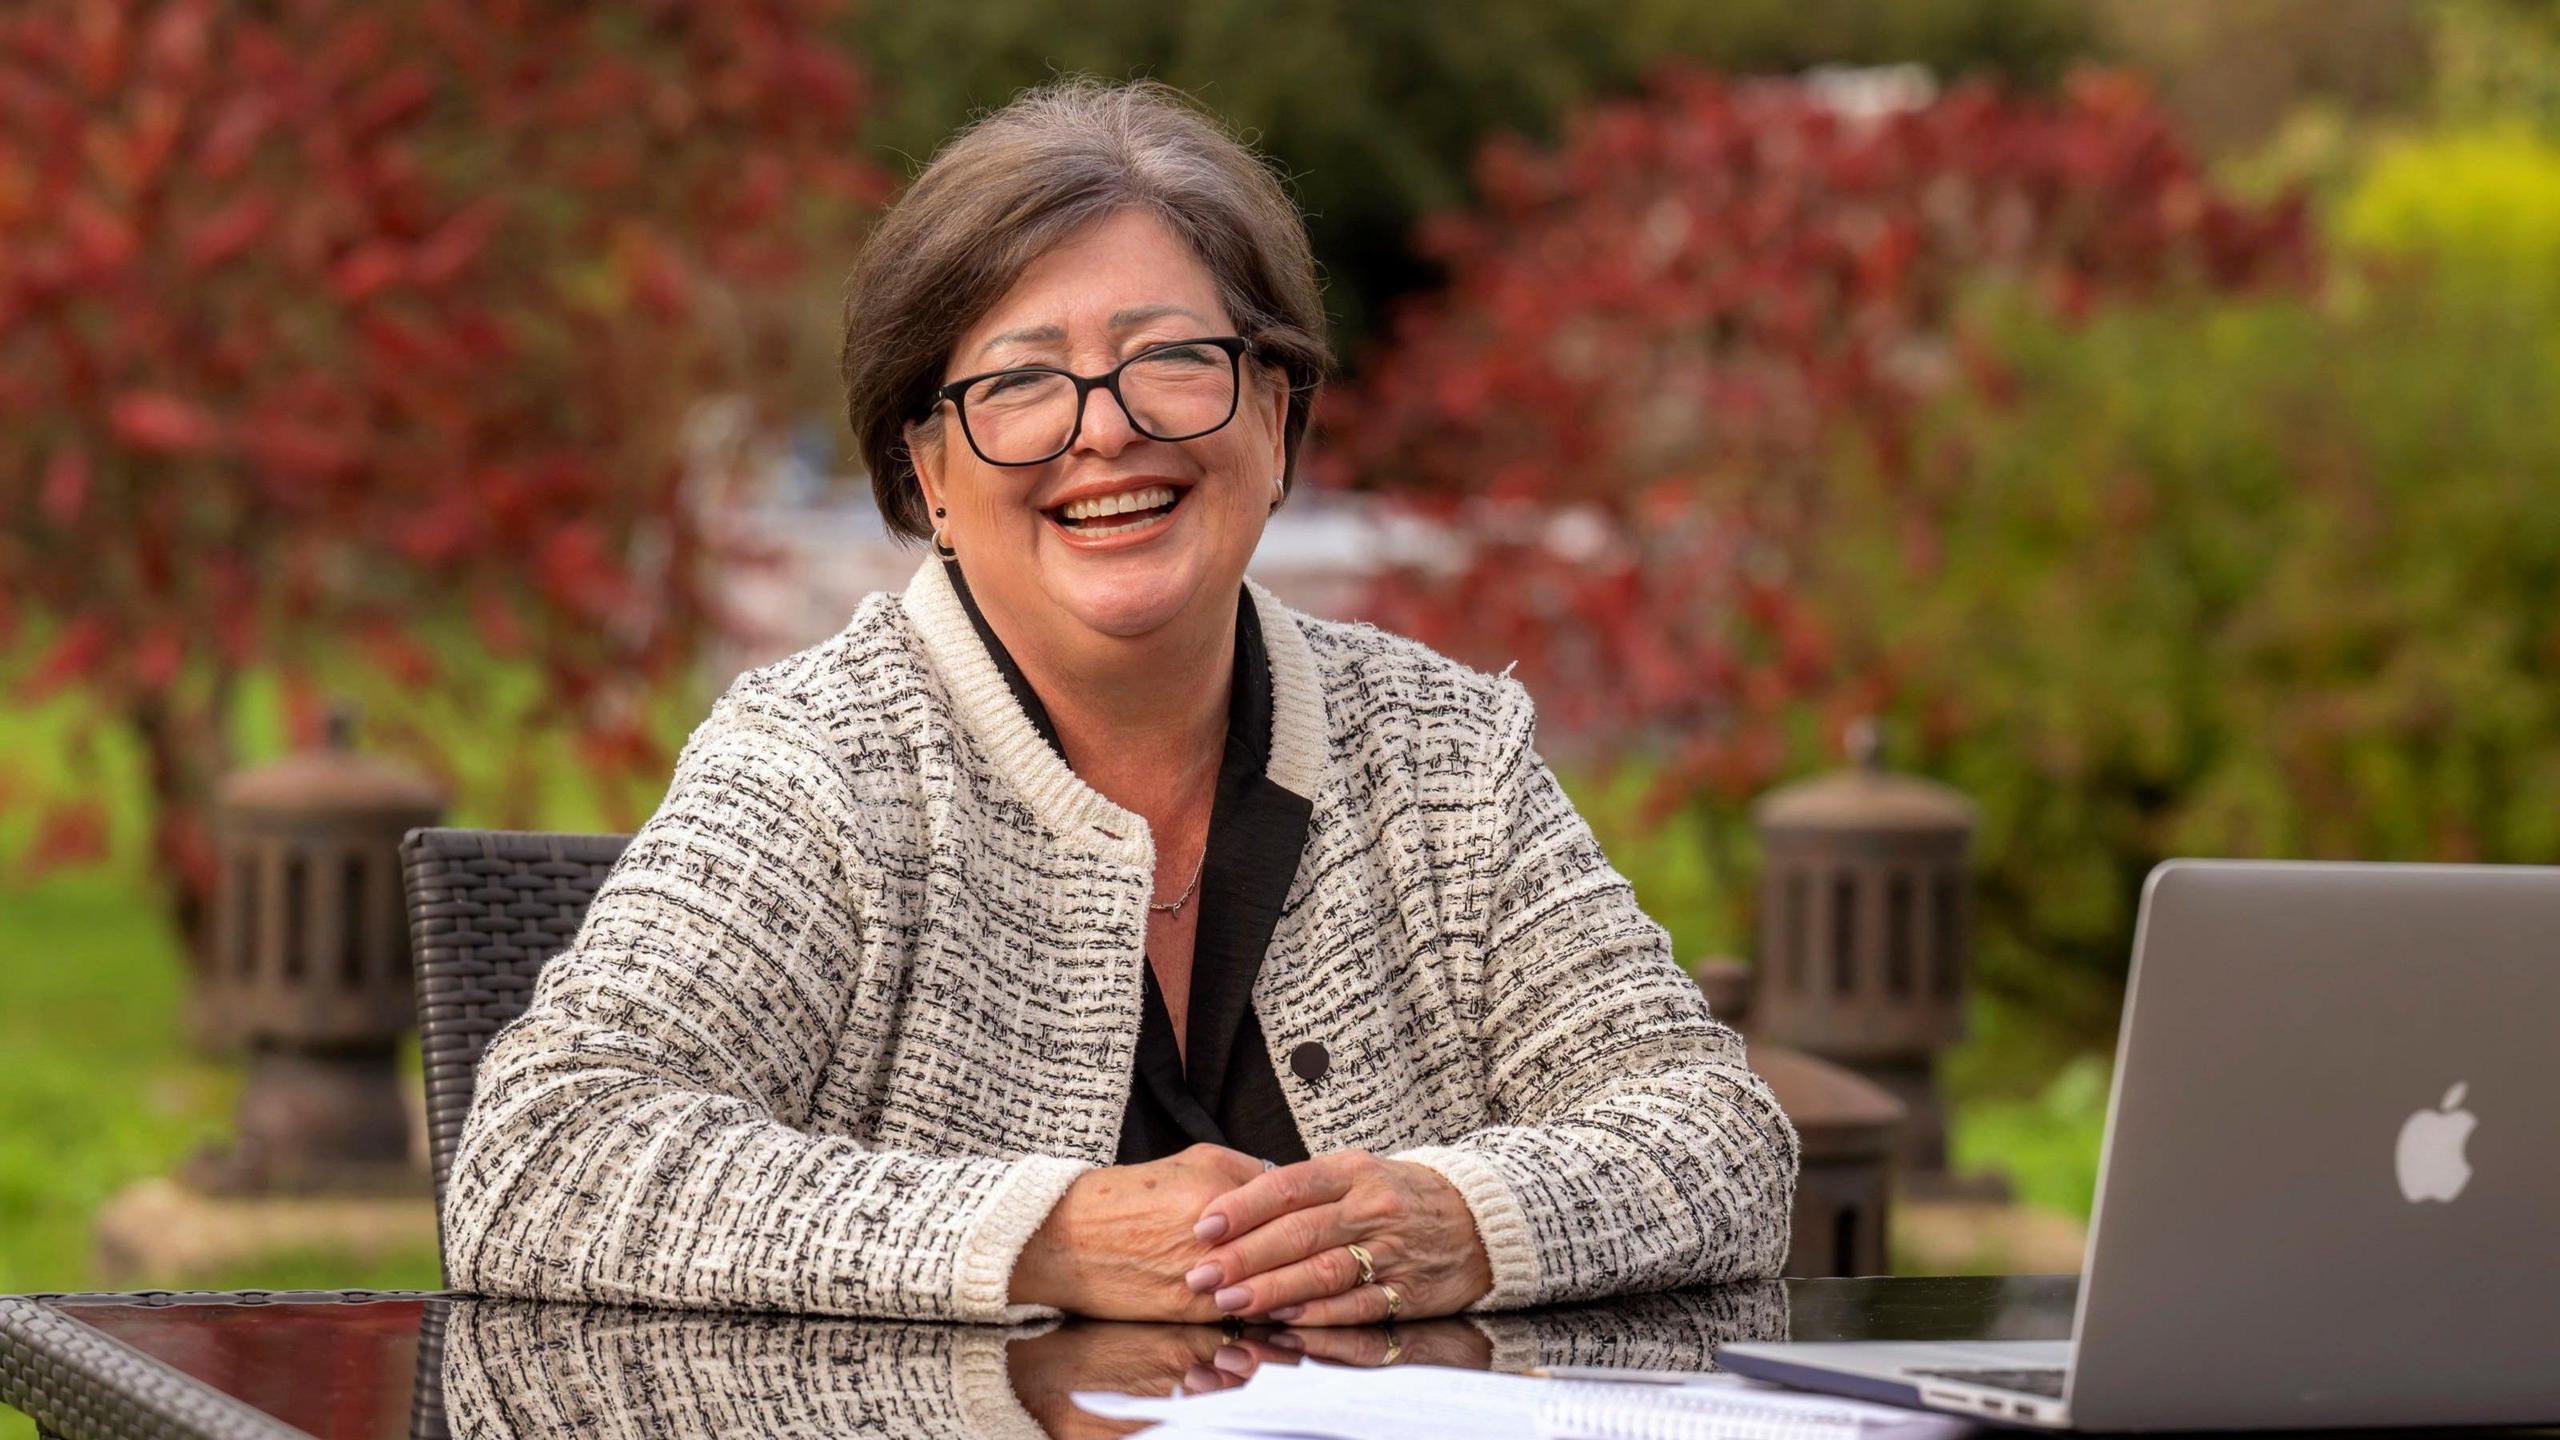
x=1280, y=397
x=924, y=453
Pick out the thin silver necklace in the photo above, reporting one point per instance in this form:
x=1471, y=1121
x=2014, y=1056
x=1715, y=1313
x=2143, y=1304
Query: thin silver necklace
x=1175, y=908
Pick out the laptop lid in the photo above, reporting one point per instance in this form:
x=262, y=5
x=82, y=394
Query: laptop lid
x=2331, y=1188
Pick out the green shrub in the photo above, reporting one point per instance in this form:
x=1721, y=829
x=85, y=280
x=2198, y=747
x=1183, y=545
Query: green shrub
x=2481, y=206
x=2046, y=1145
x=2264, y=579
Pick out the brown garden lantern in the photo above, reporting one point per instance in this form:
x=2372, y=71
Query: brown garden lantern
x=1845, y=1126
x=309, y=968
x=1865, y=906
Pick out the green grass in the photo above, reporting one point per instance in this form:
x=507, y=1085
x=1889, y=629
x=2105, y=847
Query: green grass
x=98, y=1092
x=96, y=1089
x=95, y=1092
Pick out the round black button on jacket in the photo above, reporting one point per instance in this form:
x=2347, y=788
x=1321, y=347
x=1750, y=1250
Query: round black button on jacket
x=1310, y=1061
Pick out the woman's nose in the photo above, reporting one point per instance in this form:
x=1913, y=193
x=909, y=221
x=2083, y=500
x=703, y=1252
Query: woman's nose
x=1106, y=430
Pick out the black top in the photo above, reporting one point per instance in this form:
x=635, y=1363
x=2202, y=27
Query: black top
x=1229, y=1094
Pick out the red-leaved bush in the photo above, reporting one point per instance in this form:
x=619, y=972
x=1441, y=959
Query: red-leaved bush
x=1657, y=341
x=332, y=330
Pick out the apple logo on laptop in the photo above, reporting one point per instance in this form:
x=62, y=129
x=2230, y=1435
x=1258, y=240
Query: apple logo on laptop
x=2431, y=1163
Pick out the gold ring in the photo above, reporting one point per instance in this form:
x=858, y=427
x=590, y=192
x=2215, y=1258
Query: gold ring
x=1395, y=1302
x=1395, y=1347
x=1368, y=1267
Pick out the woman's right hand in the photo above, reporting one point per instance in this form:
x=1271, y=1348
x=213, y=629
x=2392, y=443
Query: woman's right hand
x=1119, y=1243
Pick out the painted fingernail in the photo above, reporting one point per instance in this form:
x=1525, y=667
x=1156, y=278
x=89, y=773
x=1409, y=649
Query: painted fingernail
x=1284, y=1339
x=1233, y=1298
x=1287, y=1313
x=1212, y=1228
x=1203, y=1277
x=1232, y=1360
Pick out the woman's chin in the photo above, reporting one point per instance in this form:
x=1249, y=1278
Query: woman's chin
x=1127, y=594
x=1127, y=608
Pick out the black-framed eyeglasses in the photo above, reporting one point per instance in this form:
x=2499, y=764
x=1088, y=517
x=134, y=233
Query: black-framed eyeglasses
x=1031, y=414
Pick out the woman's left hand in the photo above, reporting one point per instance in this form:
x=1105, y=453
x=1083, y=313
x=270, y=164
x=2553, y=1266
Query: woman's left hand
x=1282, y=1244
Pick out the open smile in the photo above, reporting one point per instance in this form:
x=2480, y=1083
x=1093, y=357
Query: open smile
x=1127, y=516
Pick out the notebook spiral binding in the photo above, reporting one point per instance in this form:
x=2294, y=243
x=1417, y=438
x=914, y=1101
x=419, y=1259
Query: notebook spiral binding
x=1584, y=1411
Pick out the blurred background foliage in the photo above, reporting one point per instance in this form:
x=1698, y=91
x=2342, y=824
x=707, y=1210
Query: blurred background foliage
x=1378, y=111
x=2478, y=208
x=257, y=265
x=2272, y=577
x=2263, y=569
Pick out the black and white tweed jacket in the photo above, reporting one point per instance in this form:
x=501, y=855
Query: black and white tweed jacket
x=860, y=1000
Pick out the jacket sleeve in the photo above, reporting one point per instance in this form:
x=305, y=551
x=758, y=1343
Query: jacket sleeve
x=609, y=1372
x=1630, y=1148
x=633, y=1136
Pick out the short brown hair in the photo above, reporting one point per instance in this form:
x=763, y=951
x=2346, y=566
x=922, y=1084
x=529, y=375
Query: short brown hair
x=1021, y=179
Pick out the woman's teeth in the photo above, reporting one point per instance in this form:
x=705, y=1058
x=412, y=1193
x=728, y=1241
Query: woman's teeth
x=1094, y=507
x=1096, y=515
x=1140, y=523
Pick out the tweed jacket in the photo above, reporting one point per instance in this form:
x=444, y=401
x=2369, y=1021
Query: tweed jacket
x=860, y=1000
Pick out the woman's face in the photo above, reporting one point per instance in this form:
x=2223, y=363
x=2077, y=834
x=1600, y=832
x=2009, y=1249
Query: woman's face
x=1103, y=294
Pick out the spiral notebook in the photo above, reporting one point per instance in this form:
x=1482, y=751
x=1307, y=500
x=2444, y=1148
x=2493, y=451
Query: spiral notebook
x=1702, y=1410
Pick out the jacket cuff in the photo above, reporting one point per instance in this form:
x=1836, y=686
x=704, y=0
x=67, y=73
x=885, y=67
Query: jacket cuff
x=983, y=1382
x=1022, y=1199
x=1501, y=1224
x=1513, y=1341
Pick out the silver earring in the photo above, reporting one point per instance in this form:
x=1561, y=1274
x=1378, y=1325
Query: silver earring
x=1279, y=490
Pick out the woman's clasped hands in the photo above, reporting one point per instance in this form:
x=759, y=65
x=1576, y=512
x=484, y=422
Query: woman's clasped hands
x=1345, y=1238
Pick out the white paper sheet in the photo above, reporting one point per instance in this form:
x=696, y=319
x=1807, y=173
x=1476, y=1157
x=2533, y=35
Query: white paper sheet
x=1337, y=1402
x=1313, y=1401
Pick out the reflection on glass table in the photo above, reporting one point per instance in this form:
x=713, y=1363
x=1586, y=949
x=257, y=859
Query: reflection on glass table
x=548, y=1372
x=366, y=1366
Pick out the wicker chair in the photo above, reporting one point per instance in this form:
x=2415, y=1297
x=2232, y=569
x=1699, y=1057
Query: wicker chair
x=487, y=909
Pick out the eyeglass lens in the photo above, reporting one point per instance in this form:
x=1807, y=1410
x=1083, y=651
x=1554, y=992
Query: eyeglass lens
x=1177, y=393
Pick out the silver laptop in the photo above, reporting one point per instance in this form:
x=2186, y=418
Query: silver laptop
x=2331, y=1188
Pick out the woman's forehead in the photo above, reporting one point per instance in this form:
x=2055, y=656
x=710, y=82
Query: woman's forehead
x=1120, y=274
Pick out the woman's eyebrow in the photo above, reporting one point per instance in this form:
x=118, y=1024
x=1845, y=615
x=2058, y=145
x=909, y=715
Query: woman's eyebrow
x=1120, y=320
x=1141, y=314
x=1032, y=335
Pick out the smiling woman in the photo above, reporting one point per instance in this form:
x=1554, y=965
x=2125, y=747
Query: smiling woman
x=1083, y=929
x=1183, y=428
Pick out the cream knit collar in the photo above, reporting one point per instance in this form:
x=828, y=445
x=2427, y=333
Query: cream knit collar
x=985, y=705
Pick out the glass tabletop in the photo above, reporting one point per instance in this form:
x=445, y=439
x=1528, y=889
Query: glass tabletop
x=326, y=1367
x=371, y=1367
x=365, y=1367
